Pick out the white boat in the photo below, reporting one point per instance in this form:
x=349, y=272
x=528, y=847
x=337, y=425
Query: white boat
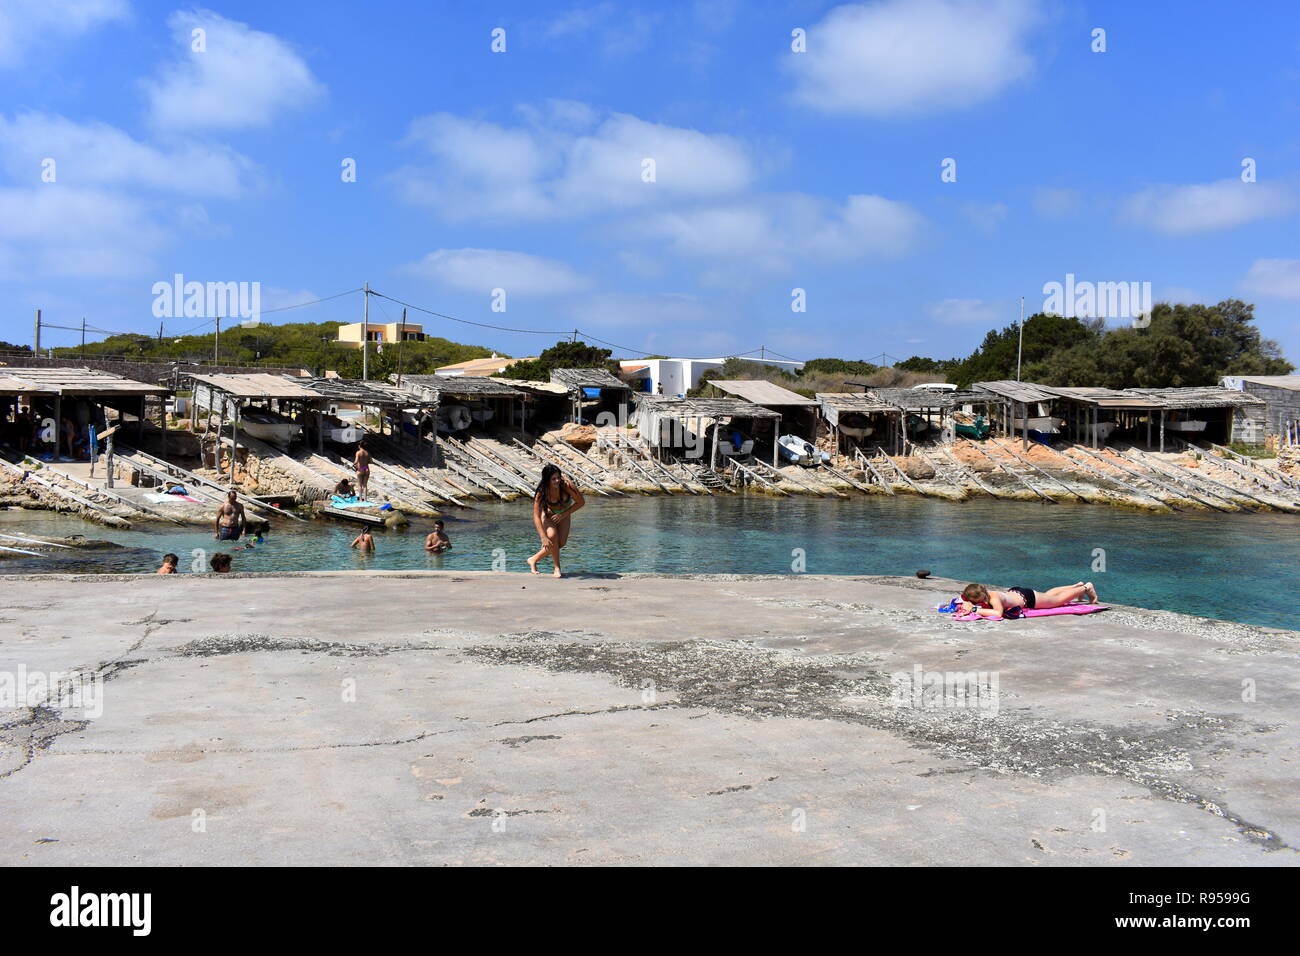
x=269, y=427
x=855, y=425
x=726, y=446
x=1186, y=425
x=1103, y=429
x=1044, y=424
x=453, y=418
x=800, y=451
x=343, y=434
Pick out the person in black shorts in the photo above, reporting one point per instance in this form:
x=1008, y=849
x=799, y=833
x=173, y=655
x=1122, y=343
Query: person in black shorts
x=1011, y=601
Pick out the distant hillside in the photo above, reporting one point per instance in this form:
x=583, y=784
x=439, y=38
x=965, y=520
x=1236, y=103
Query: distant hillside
x=309, y=345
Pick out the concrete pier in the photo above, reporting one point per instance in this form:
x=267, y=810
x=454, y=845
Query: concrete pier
x=478, y=718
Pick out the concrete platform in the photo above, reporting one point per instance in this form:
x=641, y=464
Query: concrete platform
x=444, y=718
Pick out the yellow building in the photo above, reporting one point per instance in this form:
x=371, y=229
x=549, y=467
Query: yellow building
x=383, y=333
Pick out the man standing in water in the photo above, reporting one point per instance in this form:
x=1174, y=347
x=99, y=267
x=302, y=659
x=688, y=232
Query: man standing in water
x=362, y=464
x=554, y=503
x=229, y=524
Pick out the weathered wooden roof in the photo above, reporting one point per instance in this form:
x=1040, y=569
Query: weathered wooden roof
x=361, y=392
x=684, y=408
x=855, y=402
x=916, y=399
x=1016, y=391
x=9, y=385
x=534, y=387
x=467, y=385
x=760, y=392
x=1208, y=396
x=82, y=381
x=587, y=378
x=259, y=385
x=1104, y=397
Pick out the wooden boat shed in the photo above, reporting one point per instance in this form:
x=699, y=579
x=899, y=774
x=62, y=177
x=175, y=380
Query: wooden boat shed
x=51, y=391
x=1017, y=401
x=393, y=403
x=612, y=394
x=937, y=406
x=227, y=396
x=505, y=402
x=798, y=414
x=886, y=420
x=1281, y=414
x=664, y=422
x=1229, y=415
x=1082, y=408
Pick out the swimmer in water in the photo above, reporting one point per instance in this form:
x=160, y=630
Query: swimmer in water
x=364, y=542
x=437, y=541
x=169, y=564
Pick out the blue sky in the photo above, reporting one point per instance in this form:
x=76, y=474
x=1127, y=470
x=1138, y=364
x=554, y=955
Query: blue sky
x=773, y=170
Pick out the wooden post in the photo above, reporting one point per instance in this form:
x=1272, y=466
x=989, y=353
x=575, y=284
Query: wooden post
x=221, y=426
x=234, y=444
x=1024, y=411
x=1095, y=437
x=1162, y=431
x=58, y=424
x=108, y=458
x=162, y=422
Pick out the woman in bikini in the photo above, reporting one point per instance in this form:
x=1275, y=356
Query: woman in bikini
x=554, y=503
x=989, y=603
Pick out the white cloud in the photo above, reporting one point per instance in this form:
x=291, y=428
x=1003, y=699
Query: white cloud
x=985, y=216
x=896, y=57
x=773, y=233
x=96, y=154
x=644, y=310
x=615, y=30
x=1056, y=202
x=1273, y=278
x=26, y=24
x=972, y=312
x=244, y=78
x=73, y=232
x=565, y=161
x=1183, y=210
x=482, y=270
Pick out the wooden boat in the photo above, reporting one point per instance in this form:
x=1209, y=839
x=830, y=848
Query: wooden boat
x=453, y=418
x=855, y=425
x=978, y=430
x=1104, y=430
x=1044, y=424
x=269, y=427
x=1186, y=425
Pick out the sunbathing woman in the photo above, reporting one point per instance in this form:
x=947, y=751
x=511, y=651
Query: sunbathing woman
x=554, y=503
x=989, y=603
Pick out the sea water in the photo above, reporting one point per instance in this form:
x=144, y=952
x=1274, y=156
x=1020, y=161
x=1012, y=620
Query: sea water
x=1239, y=567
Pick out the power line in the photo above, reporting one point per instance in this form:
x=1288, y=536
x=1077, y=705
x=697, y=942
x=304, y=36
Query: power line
x=452, y=318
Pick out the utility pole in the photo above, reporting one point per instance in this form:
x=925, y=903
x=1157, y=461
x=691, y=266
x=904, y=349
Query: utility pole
x=365, y=334
x=216, y=341
x=37, y=350
x=401, y=346
x=1020, y=351
x=83, y=336
x=575, y=336
x=160, y=327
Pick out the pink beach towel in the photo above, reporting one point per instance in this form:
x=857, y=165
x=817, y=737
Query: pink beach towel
x=1038, y=612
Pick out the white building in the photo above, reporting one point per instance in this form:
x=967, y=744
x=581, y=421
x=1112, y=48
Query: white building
x=678, y=376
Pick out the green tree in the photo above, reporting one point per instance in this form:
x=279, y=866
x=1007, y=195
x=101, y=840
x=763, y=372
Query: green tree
x=561, y=355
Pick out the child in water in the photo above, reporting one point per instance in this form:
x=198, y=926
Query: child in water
x=437, y=541
x=989, y=603
x=168, y=565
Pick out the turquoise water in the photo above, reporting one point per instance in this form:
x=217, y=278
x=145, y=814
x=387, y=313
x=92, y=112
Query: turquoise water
x=1236, y=567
